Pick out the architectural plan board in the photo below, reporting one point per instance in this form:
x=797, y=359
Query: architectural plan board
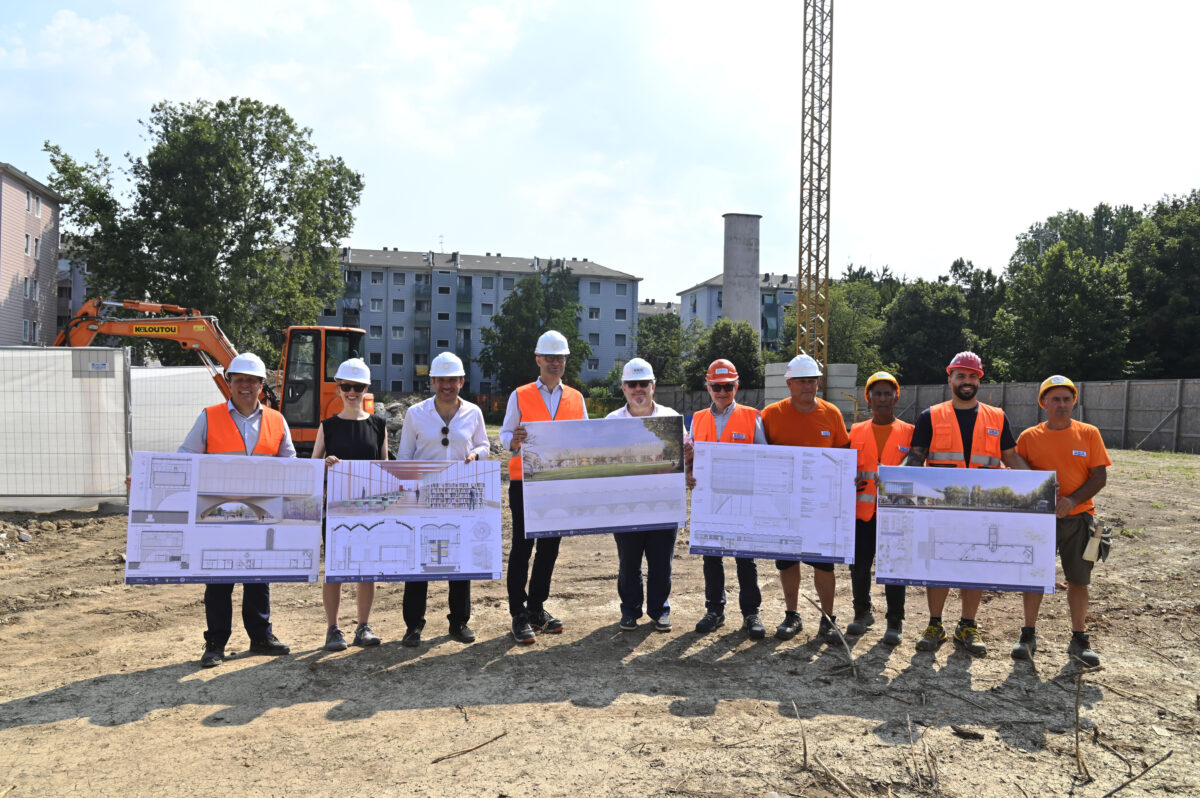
x=412, y=521
x=603, y=475
x=986, y=529
x=210, y=518
x=773, y=502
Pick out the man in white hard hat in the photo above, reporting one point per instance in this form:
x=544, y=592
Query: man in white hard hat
x=804, y=419
x=545, y=399
x=241, y=425
x=657, y=545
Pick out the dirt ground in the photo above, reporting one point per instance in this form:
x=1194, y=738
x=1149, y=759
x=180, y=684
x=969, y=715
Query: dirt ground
x=101, y=694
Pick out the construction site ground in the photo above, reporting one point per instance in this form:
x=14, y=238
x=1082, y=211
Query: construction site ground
x=101, y=693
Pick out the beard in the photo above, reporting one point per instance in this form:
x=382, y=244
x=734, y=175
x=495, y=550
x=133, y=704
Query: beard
x=966, y=391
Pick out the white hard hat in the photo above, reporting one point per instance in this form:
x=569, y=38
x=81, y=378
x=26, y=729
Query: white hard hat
x=249, y=363
x=802, y=366
x=354, y=370
x=552, y=342
x=637, y=369
x=447, y=364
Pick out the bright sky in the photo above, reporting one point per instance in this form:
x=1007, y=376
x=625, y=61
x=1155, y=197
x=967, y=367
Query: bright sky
x=622, y=130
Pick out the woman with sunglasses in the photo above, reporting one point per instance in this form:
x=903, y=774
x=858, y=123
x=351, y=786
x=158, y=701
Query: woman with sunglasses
x=353, y=434
x=443, y=427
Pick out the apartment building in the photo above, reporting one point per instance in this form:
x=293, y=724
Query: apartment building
x=414, y=305
x=28, y=259
x=704, y=301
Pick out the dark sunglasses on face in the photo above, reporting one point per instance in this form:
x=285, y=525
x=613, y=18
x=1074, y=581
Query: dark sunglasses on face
x=445, y=436
x=638, y=383
x=721, y=387
x=351, y=387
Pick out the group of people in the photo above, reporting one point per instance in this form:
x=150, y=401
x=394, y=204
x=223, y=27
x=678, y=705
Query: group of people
x=959, y=433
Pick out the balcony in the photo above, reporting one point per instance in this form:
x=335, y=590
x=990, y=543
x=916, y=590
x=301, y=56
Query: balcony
x=421, y=340
x=423, y=291
x=352, y=304
x=462, y=319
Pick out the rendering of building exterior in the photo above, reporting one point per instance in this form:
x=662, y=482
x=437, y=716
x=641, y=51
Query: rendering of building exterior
x=704, y=301
x=414, y=305
x=28, y=259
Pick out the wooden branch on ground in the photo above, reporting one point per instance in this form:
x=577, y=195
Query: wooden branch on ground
x=1079, y=763
x=833, y=776
x=1138, y=776
x=468, y=750
x=841, y=636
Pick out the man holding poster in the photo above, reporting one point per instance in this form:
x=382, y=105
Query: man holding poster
x=961, y=433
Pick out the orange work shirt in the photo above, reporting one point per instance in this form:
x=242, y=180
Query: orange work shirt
x=821, y=427
x=1071, y=453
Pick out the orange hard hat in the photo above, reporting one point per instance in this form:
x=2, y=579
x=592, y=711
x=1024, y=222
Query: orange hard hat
x=721, y=370
x=966, y=360
x=880, y=376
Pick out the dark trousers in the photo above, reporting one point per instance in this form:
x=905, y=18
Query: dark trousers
x=416, y=593
x=218, y=611
x=749, y=596
x=860, y=573
x=658, y=547
x=518, y=560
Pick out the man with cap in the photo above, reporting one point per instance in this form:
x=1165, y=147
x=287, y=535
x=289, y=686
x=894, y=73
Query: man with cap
x=1076, y=453
x=545, y=399
x=656, y=545
x=804, y=419
x=882, y=439
x=961, y=433
x=725, y=421
x=241, y=425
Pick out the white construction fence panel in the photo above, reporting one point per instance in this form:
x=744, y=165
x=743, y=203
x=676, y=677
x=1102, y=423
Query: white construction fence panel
x=166, y=402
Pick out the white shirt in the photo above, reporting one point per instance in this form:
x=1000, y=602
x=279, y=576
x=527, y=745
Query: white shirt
x=512, y=411
x=421, y=436
x=659, y=410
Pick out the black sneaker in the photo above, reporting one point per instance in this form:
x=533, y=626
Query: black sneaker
x=1026, y=645
x=363, y=636
x=710, y=622
x=269, y=646
x=892, y=636
x=663, y=622
x=522, y=631
x=335, y=640
x=628, y=623
x=412, y=638
x=971, y=639
x=862, y=622
x=542, y=621
x=754, y=627
x=462, y=633
x=213, y=656
x=828, y=632
x=935, y=635
x=791, y=626
x=1081, y=649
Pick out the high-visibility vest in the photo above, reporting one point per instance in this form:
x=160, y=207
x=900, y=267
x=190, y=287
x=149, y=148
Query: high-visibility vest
x=533, y=408
x=862, y=440
x=738, y=429
x=223, y=436
x=946, y=446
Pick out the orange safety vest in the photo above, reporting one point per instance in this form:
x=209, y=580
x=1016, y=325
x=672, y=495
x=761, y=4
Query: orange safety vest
x=946, y=446
x=862, y=440
x=738, y=429
x=533, y=408
x=223, y=436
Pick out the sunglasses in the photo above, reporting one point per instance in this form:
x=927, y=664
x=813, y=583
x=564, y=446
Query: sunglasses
x=351, y=387
x=638, y=383
x=445, y=436
x=722, y=387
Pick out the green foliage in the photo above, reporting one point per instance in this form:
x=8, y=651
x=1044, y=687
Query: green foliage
x=1099, y=235
x=232, y=211
x=734, y=341
x=923, y=327
x=855, y=326
x=660, y=341
x=983, y=292
x=548, y=300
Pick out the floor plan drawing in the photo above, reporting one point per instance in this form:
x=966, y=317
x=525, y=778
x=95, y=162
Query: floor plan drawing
x=412, y=521
x=976, y=528
x=223, y=518
x=782, y=502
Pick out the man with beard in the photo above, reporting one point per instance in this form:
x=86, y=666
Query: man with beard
x=961, y=433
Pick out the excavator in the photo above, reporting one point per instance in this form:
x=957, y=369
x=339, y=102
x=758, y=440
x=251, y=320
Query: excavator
x=304, y=390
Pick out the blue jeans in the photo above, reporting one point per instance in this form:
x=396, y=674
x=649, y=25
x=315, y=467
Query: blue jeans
x=749, y=596
x=658, y=547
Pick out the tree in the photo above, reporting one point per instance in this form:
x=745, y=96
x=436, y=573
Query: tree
x=983, y=292
x=548, y=300
x=232, y=211
x=855, y=326
x=1064, y=314
x=735, y=341
x=1099, y=235
x=923, y=327
x=660, y=343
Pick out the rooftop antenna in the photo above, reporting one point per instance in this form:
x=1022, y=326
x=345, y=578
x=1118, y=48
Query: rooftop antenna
x=441, y=244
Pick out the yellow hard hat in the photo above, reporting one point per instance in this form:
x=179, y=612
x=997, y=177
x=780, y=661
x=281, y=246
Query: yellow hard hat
x=880, y=376
x=1056, y=381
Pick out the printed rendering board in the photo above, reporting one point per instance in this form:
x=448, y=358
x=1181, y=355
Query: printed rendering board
x=603, y=475
x=990, y=529
x=200, y=518
x=773, y=502
x=412, y=521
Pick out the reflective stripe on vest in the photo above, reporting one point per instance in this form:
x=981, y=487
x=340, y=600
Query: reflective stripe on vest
x=946, y=445
x=895, y=449
x=223, y=436
x=738, y=429
x=533, y=408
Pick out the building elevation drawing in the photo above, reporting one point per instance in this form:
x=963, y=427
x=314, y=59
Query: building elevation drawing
x=199, y=518
x=991, y=529
x=392, y=521
x=777, y=502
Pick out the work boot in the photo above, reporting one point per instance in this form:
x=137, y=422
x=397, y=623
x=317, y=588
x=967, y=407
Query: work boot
x=1081, y=649
x=790, y=627
x=711, y=622
x=269, y=646
x=754, y=627
x=935, y=635
x=543, y=621
x=461, y=632
x=968, y=636
x=1027, y=645
x=892, y=636
x=828, y=632
x=521, y=629
x=863, y=620
x=214, y=655
x=335, y=640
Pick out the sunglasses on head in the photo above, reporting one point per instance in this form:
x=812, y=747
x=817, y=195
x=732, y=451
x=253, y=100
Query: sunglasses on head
x=721, y=387
x=638, y=383
x=351, y=387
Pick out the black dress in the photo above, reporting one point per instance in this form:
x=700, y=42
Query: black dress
x=354, y=440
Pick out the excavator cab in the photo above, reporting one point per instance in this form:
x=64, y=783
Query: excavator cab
x=307, y=393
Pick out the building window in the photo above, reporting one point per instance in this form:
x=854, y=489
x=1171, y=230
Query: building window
x=485, y=387
x=593, y=313
x=593, y=288
x=464, y=283
x=444, y=290
x=487, y=282
x=397, y=358
x=693, y=303
x=64, y=292
x=619, y=339
x=376, y=386
x=376, y=278
x=397, y=333
x=397, y=386
x=27, y=240
x=621, y=314
x=330, y=312
x=443, y=317
x=25, y=330
x=422, y=306
x=37, y=211
x=397, y=306
x=397, y=278
x=443, y=343
x=720, y=298
x=35, y=332
x=28, y=201
x=376, y=358
x=26, y=284
x=421, y=359
x=485, y=309
x=508, y=283
x=622, y=289
x=593, y=364
x=594, y=339
x=37, y=248
x=376, y=331
x=37, y=289
x=377, y=305
x=420, y=279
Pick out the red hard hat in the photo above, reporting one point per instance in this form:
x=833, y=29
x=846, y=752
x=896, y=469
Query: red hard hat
x=721, y=371
x=966, y=360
